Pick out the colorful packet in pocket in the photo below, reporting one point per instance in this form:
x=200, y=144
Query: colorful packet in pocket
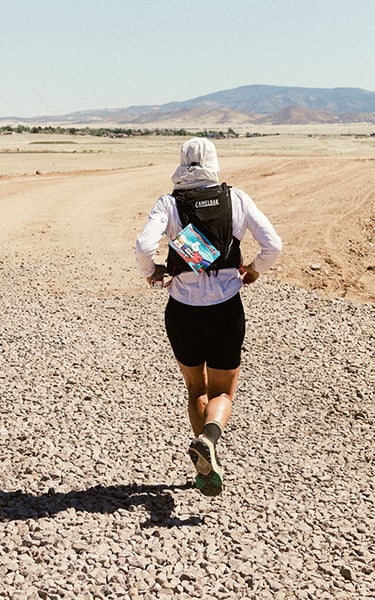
x=194, y=248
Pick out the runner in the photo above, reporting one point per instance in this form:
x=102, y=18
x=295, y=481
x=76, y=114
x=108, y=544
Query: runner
x=204, y=316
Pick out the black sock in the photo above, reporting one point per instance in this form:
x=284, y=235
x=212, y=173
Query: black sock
x=212, y=431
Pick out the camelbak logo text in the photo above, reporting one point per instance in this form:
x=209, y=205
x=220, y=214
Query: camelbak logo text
x=203, y=203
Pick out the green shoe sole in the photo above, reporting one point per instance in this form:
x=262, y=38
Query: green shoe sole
x=209, y=485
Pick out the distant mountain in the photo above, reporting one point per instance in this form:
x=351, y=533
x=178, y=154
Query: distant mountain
x=267, y=99
x=243, y=105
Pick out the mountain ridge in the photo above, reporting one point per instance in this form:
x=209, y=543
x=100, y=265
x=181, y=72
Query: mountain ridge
x=245, y=104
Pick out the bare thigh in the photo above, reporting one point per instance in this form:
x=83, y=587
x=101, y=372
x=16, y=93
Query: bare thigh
x=206, y=380
x=221, y=381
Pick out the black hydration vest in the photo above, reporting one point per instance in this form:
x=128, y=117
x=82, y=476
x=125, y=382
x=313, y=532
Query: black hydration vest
x=210, y=211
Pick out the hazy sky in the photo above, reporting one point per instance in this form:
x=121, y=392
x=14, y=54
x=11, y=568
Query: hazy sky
x=58, y=56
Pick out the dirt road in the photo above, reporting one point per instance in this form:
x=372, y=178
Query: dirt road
x=94, y=199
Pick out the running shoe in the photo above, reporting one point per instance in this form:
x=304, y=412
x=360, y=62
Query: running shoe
x=209, y=478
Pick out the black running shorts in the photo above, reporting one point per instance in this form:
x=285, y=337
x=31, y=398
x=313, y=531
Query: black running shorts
x=212, y=334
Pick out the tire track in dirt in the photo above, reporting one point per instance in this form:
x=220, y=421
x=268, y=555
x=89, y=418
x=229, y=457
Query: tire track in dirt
x=99, y=213
x=321, y=207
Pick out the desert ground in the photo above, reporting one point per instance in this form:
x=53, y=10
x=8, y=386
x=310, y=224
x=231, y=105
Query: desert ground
x=92, y=195
x=96, y=496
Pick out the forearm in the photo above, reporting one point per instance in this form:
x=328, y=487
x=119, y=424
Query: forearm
x=269, y=241
x=267, y=256
x=145, y=261
x=148, y=240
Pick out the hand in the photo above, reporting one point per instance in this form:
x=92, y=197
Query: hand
x=249, y=274
x=159, y=272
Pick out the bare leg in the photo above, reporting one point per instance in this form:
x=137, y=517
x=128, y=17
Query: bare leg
x=210, y=393
x=196, y=383
x=221, y=389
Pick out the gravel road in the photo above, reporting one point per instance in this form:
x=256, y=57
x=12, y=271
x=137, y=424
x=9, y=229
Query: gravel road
x=97, y=497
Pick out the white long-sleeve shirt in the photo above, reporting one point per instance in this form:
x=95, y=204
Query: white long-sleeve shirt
x=204, y=289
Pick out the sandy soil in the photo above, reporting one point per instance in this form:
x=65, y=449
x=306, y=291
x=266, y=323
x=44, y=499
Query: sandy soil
x=97, y=500
x=92, y=195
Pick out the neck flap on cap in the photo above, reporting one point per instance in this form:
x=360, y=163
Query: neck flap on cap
x=199, y=165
